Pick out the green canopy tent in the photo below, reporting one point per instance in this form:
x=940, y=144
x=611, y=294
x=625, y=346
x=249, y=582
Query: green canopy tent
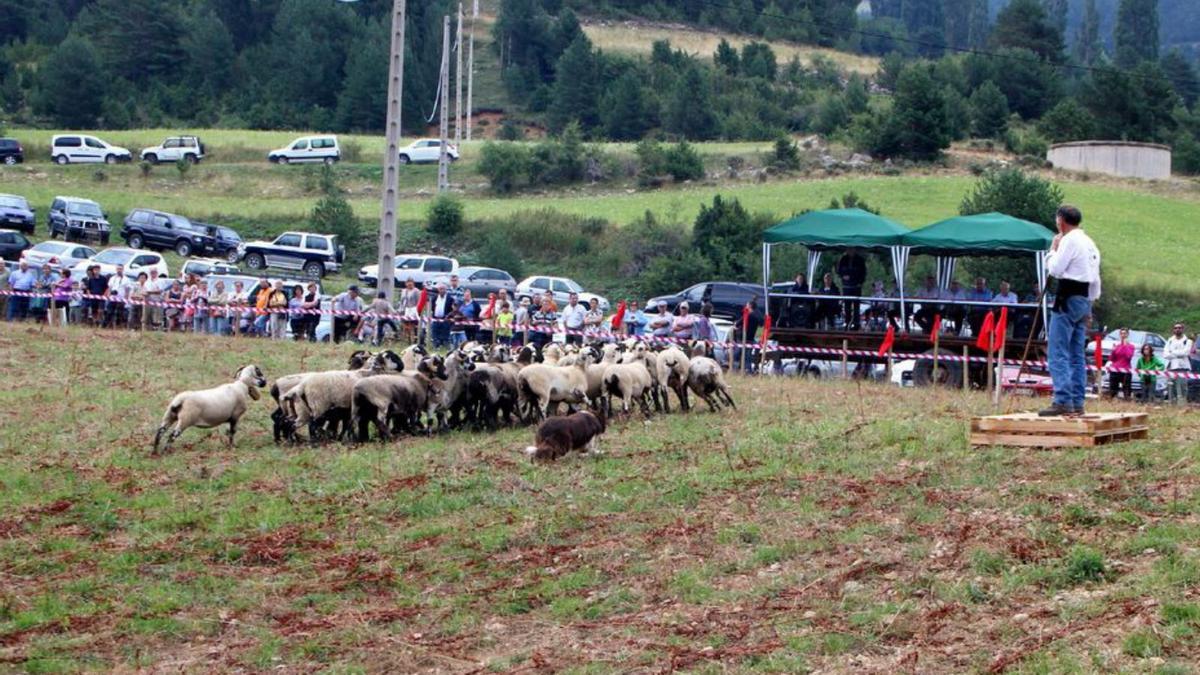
x=831, y=229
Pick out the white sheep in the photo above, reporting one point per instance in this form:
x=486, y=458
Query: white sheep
x=322, y=395
x=673, y=374
x=636, y=350
x=628, y=381
x=208, y=408
x=542, y=385
x=706, y=379
x=411, y=356
x=286, y=383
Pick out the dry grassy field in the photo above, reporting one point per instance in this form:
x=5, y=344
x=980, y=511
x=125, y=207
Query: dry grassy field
x=823, y=526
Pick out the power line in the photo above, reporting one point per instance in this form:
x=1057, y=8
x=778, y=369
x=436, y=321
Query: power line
x=925, y=43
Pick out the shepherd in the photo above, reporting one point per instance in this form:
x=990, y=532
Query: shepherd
x=1075, y=261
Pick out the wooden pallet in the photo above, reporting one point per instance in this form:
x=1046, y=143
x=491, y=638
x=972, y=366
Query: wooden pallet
x=1030, y=431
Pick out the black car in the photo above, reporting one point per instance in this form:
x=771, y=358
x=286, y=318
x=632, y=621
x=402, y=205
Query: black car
x=726, y=297
x=17, y=214
x=11, y=151
x=12, y=243
x=229, y=242
x=146, y=228
x=76, y=219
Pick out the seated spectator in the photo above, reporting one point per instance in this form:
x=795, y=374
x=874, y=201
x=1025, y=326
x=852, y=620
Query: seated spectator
x=952, y=312
x=927, y=310
x=661, y=322
x=798, y=311
x=827, y=310
x=138, y=316
x=976, y=313
x=682, y=327
x=883, y=311
x=60, y=298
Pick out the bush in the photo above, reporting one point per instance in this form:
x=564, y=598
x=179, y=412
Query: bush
x=786, y=156
x=681, y=162
x=146, y=168
x=505, y=165
x=1083, y=565
x=332, y=213
x=684, y=163
x=445, y=216
x=495, y=250
x=352, y=152
x=182, y=166
x=510, y=131
x=669, y=273
x=1026, y=144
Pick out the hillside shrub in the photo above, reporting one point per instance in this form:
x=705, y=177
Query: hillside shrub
x=505, y=165
x=496, y=250
x=445, y=216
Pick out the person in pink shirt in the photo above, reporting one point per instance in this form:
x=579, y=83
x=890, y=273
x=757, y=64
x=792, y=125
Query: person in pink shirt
x=1121, y=358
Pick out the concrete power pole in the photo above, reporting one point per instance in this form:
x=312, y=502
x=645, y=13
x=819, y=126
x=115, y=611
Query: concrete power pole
x=471, y=70
x=391, y=158
x=444, y=104
x=458, y=81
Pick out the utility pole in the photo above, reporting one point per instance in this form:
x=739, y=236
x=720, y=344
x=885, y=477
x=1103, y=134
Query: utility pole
x=471, y=70
x=391, y=157
x=444, y=111
x=458, y=81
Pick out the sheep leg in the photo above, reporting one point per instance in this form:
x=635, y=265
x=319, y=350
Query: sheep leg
x=158, y=438
x=661, y=403
x=724, y=392
x=232, y=431
x=645, y=404
x=171, y=438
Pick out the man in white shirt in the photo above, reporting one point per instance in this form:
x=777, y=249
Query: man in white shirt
x=1178, y=356
x=119, y=286
x=572, y=319
x=1075, y=261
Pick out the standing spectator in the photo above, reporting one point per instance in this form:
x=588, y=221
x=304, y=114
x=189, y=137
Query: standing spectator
x=441, y=309
x=137, y=302
x=827, y=310
x=549, y=295
x=704, y=329
x=660, y=323
x=76, y=304
x=572, y=319
x=635, y=319
x=467, y=312
x=976, y=313
x=154, y=292
x=504, y=324
x=521, y=317
x=543, y=322
x=200, y=307
x=346, y=307
x=174, y=311
x=682, y=328
x=94, y=288
x=60, y=298
x=117, y=291
x=3, y=287
x=237, y=308
x=259, y=297
x=312, y=311
x=382, y=309
x=277, y=304
x=746, y=332
x=502, y=296
x=1148, y=360
x=1178, y=355
x=455, y=291
x=296, y=314
x=487, y=318
x=46, y=278
x=218, y=309
x=852, y=269
x=1120, y=361
x=410, y=297
x=593, y=318
x=20, y=280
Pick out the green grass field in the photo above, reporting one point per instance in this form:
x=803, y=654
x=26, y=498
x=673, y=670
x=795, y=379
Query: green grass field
x=823, y=526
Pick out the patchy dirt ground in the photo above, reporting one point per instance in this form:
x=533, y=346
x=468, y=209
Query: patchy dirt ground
x=823, y=527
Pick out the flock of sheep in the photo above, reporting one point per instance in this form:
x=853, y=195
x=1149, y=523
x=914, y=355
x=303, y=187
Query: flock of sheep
x=476, y=385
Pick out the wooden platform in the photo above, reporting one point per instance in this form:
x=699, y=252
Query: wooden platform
x=1030, y=431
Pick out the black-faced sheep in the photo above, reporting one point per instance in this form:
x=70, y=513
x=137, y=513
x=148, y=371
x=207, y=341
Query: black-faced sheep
x=323, y=395
x=208, y=408
x=628, y=381
x=279, y=419
x=396, y=403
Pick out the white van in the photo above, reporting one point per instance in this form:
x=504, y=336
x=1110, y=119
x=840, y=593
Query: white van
x=308, y=149
x=81, y=149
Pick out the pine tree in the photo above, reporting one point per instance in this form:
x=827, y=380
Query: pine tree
x=689, y=109
x=1088, y=49
x=958, y=113
x=989, y=111
x=210, y=53
x=1136, y=34
x=138, y=39
x=1023, y=24
x=575, y=91
x=1182, y=75
x=362, y=103
x=1068, y=121
x=958, y=21
x=758, y=60
x=1056, y=11
x=626, y=109
x=980, y=25
x=726, y=58
x=916, y=126
x=71, y=84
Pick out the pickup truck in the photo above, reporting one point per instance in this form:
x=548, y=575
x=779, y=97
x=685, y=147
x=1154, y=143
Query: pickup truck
x=313, y=254
x=175, y=148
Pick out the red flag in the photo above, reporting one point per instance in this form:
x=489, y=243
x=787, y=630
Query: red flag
x=746, y=319
x=619, y=316
x=1099, y=353
x=490, y=312
x=985, y=333
x=422, y=300
x=766, y=329
x=936, y=328
x=889, y=339
x=1001, y=329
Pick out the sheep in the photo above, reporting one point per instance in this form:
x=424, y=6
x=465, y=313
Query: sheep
x=630, y=380
x=707, y=381
x=560, y=435
x=396, y=402
x=285, y=384
x=673, y=374
x=324, y=395
x=493, y=389
x=208, y=408
x=635, y=350
x=541, y=386
x=411, y=356
x=454, y=393
x=552, y=353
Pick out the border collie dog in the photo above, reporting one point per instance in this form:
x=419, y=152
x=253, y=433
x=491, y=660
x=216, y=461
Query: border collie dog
x=558, y=436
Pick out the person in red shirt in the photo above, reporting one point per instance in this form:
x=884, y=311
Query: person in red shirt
x=1121, y=358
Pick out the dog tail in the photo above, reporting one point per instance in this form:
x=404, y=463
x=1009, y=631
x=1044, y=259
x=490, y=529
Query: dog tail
x=530, y=450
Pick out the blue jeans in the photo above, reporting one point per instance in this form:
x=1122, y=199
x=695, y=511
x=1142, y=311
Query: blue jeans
x=218, y=325
x=1068, y=363
x=439, y=332
x=18, y=307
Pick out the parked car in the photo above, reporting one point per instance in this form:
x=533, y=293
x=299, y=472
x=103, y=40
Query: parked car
x=562, y=288
x=61, y=252
x=134, y=260
x=80, y=149
x=727, y=298
x=313, y=254
x=12, y=244
x=202, y=267
x=308, y=149
x=175, y=148
x=229, y=242
x=420, y=267
x=15, y=212
x=427, y=150
x=77, y=219
x=480, y=281
x=147, y=228
x=11, y=151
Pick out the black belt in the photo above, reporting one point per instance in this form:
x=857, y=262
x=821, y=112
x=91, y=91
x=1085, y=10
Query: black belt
x=1069, y=288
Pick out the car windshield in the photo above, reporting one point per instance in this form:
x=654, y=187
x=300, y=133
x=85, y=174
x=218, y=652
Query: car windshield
x=229, y=234
x=1136, y=337
x=114, y=257
x=14, y=202
x=84, y=209
x=572, y=286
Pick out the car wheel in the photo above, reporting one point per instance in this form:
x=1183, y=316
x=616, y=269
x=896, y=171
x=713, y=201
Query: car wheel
x=405, y=160
x=61, y=160
x=183, y=248
x=136, y=241
x=110, y=159
x=329, y=161
x=152, y=158
x=10, y=160
x=255, y=261
x=190, y=158
x=232, y=257
x=314, y=269
x=283, y=160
